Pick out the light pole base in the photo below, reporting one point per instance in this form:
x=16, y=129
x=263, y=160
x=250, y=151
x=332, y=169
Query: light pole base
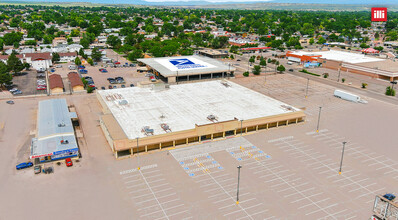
x=237, y=202
x=317, y=131
x=339, y=173
x=138, y=168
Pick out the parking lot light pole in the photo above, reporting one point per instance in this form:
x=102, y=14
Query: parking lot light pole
x=237, y=192
x=342, y=155
x=319, y=118
x=306, y=90
x=138, y=158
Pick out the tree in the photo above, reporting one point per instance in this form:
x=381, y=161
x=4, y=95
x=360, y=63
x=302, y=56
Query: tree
x=26, y=65
x=364, y=45
x=55, y=57
x=269, y=60
x=252, y=59
x=281, y=68
x=256, y=70
x=77, y=61
x=114, y=41
x=379, y=48
x=135, y=54
x=14, y=64
x=96, y=55
x=90, y=61
x=390, y=91
x=311, y=41
x=246, y=74
x=321, y=40
x=263, y=63
x=5, y=76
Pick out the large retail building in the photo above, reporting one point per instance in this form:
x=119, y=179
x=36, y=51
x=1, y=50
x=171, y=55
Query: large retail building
x=187, y=68
x=143, y=119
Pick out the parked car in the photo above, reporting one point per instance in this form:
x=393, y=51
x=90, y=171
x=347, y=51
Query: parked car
x=115, y=87
x=119, y=79
x=68, y=162
x=132, y=65
x=41, y=87
x=112, y=81
x=102, y=70
x=52, y=70
x=24, y=165
x=131, y=85
x=72, y=67
x=117, y=63
x=10, y=102
x=13, y=89
x=389, y=196
x=102, y=87
x=81, y=67
x=123, y=86
x=110, y=87
x=291, y=70
x=58, y=66
x=238, y=60
x=17, y=92
x=37, y=169
x=152, y=79
x=83, y=71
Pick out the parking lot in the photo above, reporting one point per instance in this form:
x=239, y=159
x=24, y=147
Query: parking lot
x=287, y=172
x=27, y=83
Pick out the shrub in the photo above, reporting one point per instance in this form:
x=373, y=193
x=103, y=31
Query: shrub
x=256, y=70
x=325, y=75
x=90, y=89
x=364, y=85
x=343, y=80
x=246, y=74
x=305, y=71
x=390, y=91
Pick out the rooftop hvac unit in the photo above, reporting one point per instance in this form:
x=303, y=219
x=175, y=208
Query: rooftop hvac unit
x=61, y=124
x=123, y=102
x=211, y=117
x=165, y=127
x=64, y=142
x=147, y=130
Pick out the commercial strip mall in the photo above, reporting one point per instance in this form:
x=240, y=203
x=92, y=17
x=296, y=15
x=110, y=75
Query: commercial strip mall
x=143, y=119
x=353, y=62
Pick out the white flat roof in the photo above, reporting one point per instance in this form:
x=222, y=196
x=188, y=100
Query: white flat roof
x=182, y=106
x=186, y=65
x=347, y=57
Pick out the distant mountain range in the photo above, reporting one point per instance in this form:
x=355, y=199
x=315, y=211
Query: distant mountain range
x=215, y=2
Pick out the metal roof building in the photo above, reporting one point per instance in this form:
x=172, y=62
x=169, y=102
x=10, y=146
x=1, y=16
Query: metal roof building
x=55, y=133
x=187, y=68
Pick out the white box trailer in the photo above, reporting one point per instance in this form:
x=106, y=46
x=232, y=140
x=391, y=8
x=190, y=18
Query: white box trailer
x=346, y=96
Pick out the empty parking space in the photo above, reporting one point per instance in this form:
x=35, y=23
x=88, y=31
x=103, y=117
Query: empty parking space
x=153, y=196
x=381, y=164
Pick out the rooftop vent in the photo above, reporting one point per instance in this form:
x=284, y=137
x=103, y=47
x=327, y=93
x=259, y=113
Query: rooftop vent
x=61, y=124
x=212, y=118
x=165, y=127
x=64, y=142
x=288, y=108
x=225, y=84
x=147, y=130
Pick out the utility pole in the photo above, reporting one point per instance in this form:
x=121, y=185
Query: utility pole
x=306, y=91
x=338, y=79
x=342, y=155
x=237, y=192
x=319, y=117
